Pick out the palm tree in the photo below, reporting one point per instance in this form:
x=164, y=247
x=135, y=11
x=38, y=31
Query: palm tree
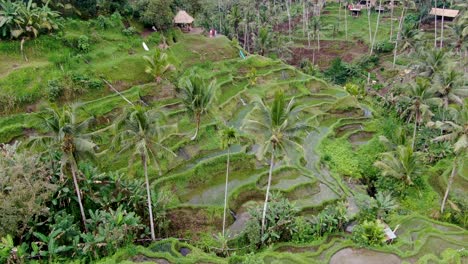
x=406, y=5
x=158, y=65
x=431, y=62
x=234, y=18
x=263, y=40
x=228, y=137
x=456, y=132
x=420, y=96
x=385, y=203
x=459, y=29
x=197, y=98
x=403, y=164
x=141, y=130
x=277, y=130
x=409, y=38
x=451, y=87
x=68, y=136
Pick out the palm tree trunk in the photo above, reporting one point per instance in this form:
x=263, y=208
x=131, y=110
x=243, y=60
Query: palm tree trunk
x=318, y=40
x=346, y=23
x=376, y=29
x=197, y=117
x=368, y=22
x=74, y=169
x=414, y=131
x=398, y=36
x=265, y=205
x=435, y=26
x=148, y=196
x=449, y=185
x=226, y=191
x=23, y=40
x=442, y=28
x=391, y=20
x=288, y=7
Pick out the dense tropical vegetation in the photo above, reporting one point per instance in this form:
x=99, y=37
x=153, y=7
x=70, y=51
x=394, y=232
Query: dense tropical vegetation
x=303, y=132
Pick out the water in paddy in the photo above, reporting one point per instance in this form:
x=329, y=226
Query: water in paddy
x=209, y=155
x=285, y=183
x=363, y=256
x=212, y=192
x=325, y=194
x=310, y=143
x=335, y=92
x=238, y=117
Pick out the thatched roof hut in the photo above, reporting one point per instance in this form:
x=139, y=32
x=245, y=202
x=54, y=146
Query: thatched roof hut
x=183, y=18
x=450, y=13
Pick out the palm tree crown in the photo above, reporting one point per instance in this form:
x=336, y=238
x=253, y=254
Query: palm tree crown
x=197, y=98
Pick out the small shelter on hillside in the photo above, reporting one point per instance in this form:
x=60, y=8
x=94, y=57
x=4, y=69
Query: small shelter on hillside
x=183, y=20
x=448, y=14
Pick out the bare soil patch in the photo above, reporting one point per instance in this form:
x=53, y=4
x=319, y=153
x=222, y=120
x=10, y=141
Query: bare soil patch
x=329, y=49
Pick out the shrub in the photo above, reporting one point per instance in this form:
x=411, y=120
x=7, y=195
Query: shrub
x=24, y=181
x=355, y=90
x=330, y=220
x=130, y=31
x=83, y=44
x=279, y=223
x=303, y=231
x=54, y=90
x=109, y=230
x=369, y=233
x=384, y=47
x=339, y=72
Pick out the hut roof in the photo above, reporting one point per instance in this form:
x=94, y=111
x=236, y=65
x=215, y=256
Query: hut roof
x=444, y=12
x=183, y=18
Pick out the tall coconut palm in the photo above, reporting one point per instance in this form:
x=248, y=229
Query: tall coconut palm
x=67, y=135
x=234, y=18
x=406, y=5
x=457, y=133
x=228, y=138
x=142, y=131
x=420, y=96
x=409, y=38
x=431, y=62
x=263, y=40
x=451, y=87
x=459, y=30
x=197, y=98
x=403, y=164
x=158, y=64
x=276, y=129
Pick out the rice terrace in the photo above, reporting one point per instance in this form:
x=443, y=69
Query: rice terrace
x=234, y=131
